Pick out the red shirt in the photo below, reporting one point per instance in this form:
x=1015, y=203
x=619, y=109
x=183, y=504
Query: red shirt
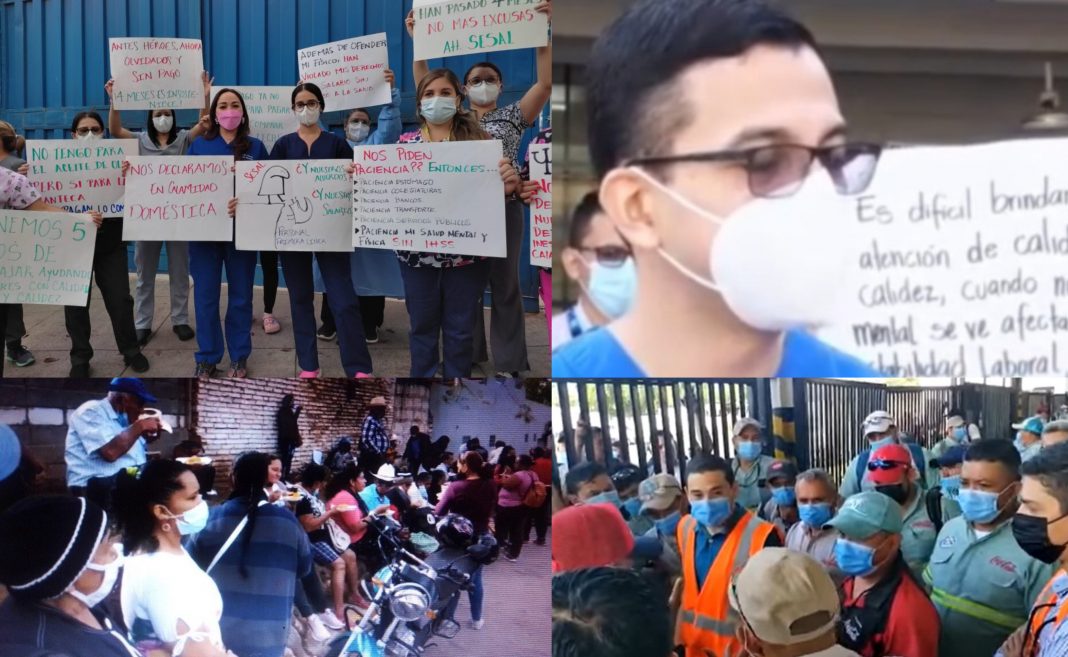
x=544, y=469
x=912, y=626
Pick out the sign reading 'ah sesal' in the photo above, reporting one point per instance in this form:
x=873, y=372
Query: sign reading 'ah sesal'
x=45, y=257
x=464, y=27
x=179, y=198
x=961, y=266
x=350, y=73
x=438, y=198
x=80, y=176
x=154, y=73
x=540, y=157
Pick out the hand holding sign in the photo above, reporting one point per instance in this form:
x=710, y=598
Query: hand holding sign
x=348, y=72
x=178, y=197
x=462, y=27
x=45, y=257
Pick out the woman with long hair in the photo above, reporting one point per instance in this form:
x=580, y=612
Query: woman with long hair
x=168, y=602
x=255, y=552
x=516, y=482
x=342, y=494
x=11, y=144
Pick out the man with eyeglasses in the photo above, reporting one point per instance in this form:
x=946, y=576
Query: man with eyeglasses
x=893, y=474
x=699, y=111
x=598, y=260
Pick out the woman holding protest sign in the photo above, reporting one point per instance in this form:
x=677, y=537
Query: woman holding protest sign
x=483, y=83
x=11, y=144
x=161, y=137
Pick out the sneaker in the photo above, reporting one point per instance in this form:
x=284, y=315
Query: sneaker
x=326, y=333
x=511, y=558
x=305, y=374
x=316, y=629
x=138, y=363
x=329, y=619
x=204, y=371
x=79, y=371
x=184, y=332
x=239, y=369
x=270, y=324
x=20, y=356
x=477, y=625
x=371, y=336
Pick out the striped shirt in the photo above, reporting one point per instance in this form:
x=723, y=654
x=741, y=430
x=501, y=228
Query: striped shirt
x=374, y=436
x=93, y=425
x=256, y=609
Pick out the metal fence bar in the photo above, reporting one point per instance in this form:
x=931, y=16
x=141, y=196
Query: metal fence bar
x=584, y=415
x=621, y=420
x=643, y=462
x=568, y=428
x=654, y=436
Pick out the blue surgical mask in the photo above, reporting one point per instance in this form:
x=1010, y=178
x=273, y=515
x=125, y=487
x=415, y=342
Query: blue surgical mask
x=711, y=513
x=853, y=558
x=783, y=496
x=666, y=526
x=882, y=442
x=748, y=450
x=978, y=505
x=607, y=497
x=960, y=434
x=633, y=507
x=438, y=110
x=612, y=289
x=951, y=486
x=815, y=515
x=193, y=520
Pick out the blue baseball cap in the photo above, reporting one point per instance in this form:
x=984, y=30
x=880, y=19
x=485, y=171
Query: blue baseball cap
x=10, y=451
x=132, y=386
x=1031, y=425
x=953, y=456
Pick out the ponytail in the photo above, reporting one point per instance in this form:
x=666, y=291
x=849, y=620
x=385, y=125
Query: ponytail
x=136, y=495
x=250, y=478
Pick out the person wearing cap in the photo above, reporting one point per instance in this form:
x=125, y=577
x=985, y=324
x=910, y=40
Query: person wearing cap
x=385, y=478
x=891, y=471
x=106, y=436
x=58, y=562
x=663, y=504
x=15, y=465
x=788, y=606
x=593, y=535
x=374, y=440
x=982, y=583
x=885, y=612
x=1054, y=433
x=1029, y=437
x=958, y=433
x=750, y=466
x=817, y=501
x=781, y=509
x=879, y=429
x=941, y=500
x=626, y=478
x=715, y=540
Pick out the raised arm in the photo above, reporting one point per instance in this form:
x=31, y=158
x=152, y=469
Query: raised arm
x=533, y=102
x=114, y=120
x=420, y=68
x=202, y=125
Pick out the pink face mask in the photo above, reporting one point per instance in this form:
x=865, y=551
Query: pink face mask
x=229, y=118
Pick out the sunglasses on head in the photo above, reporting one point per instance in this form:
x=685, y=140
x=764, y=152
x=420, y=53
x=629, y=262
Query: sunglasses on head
x=884, y=464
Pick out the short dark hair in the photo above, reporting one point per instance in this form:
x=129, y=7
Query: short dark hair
x=312, y=474
x=1050, y=468
x=582, y=473
x=485, y=65
x=710, y=463
x=626, y=475
x=636, y=62
x=995, y=450
x=88, y=114
x=312, y=88
x=582, y=218
x=609, y=612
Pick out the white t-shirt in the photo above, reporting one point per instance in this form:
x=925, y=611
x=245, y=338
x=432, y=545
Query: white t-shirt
x=161, y=589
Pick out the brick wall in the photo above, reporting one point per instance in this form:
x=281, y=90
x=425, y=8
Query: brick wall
x=489, y=410
x=38, y=411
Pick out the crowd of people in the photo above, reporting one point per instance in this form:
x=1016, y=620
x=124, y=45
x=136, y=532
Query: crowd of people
x=960, y=550
x=137, y=562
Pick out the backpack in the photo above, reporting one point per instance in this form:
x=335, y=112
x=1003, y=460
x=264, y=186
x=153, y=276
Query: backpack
x=917, y=459
x=933, y=500
x=536, y=493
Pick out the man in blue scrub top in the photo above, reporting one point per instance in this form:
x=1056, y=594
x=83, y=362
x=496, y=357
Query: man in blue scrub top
x=700, y=108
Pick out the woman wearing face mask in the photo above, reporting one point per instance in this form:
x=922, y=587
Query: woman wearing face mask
x=311, y=142
x=168, y=602
x=443, y=292
x=161, y=137
x=227, y=134
x=11, y=144
x=483, y=83
x=58, y=562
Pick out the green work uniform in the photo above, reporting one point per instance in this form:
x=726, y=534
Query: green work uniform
x=753, y=488
x=917, y=535
x=983, y=588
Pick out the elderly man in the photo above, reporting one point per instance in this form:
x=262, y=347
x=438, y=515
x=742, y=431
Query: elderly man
x=106, y=436
x=374, y=440
x=1055, y=432
x=817, y=502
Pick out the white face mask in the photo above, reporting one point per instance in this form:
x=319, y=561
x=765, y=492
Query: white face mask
x=778, y=263
x=358, y=131
x=308, y=116
x=88, y=136
x=111, y=575
x=484, y=93
x=163, y=123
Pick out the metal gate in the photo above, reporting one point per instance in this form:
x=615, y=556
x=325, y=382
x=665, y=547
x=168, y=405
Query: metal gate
x=831, y=420
x=921, y=412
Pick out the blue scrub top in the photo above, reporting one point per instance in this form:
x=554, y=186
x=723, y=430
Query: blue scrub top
x=219, y=146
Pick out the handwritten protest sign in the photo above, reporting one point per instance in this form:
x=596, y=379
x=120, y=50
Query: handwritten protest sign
x=351, y=73
x=45, y=257
x=294, y=206
x=961, y=267
x=541, y=206
x=178, y=198
x=157, y=73
x=463, y=27
x=441, y=198
x=269, y=112
x=80, y=176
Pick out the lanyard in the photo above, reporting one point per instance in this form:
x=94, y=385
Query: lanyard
x=573, y=323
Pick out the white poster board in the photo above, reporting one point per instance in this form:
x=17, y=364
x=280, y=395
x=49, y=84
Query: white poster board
x=961, y=267
x=80, y=176
x=45, y=257
x=152, y=73
x=179, y=198
x=540, y=157
x=465, y=27
x=269, y=112
x=350, y=73
x=439, y=198
x=294, y=205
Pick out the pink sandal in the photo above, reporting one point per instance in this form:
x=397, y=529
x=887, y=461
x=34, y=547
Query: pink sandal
x=304, y=374
x=270, y=324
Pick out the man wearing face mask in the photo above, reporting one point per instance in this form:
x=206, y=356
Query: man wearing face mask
x=715, y=541
x=781, y=510
x=880, y=429
x=699, y=144
x=589, y=483
x=626, y=479
x=958, y=433
x=663, y=504
x=885, y=612
x=1029, y=437
x=942, y=500
x=58, y=562
x=598, y=260
x=892, y=474
x=106, y=436
x=750, y=465
x=816, y=503
x=981, y=581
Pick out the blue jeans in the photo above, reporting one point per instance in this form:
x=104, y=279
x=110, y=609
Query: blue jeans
x=443, y=301
x=297, y=267
x=206, y=263
x=476, y=594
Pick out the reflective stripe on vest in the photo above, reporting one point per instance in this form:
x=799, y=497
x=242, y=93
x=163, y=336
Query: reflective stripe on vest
x=976, y=610
x=1030, y=647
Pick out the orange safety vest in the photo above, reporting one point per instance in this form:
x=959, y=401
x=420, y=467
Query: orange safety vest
x=1030, y=647
x=706, y=620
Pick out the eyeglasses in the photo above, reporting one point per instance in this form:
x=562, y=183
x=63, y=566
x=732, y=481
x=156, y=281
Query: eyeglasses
x=311, y=104
x=84, y=131
x=883, y=464
x=609, y=256
x=779, y=170
x=476, y=81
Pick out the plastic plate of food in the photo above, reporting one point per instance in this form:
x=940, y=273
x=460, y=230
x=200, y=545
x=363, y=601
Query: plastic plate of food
x=194, y=460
